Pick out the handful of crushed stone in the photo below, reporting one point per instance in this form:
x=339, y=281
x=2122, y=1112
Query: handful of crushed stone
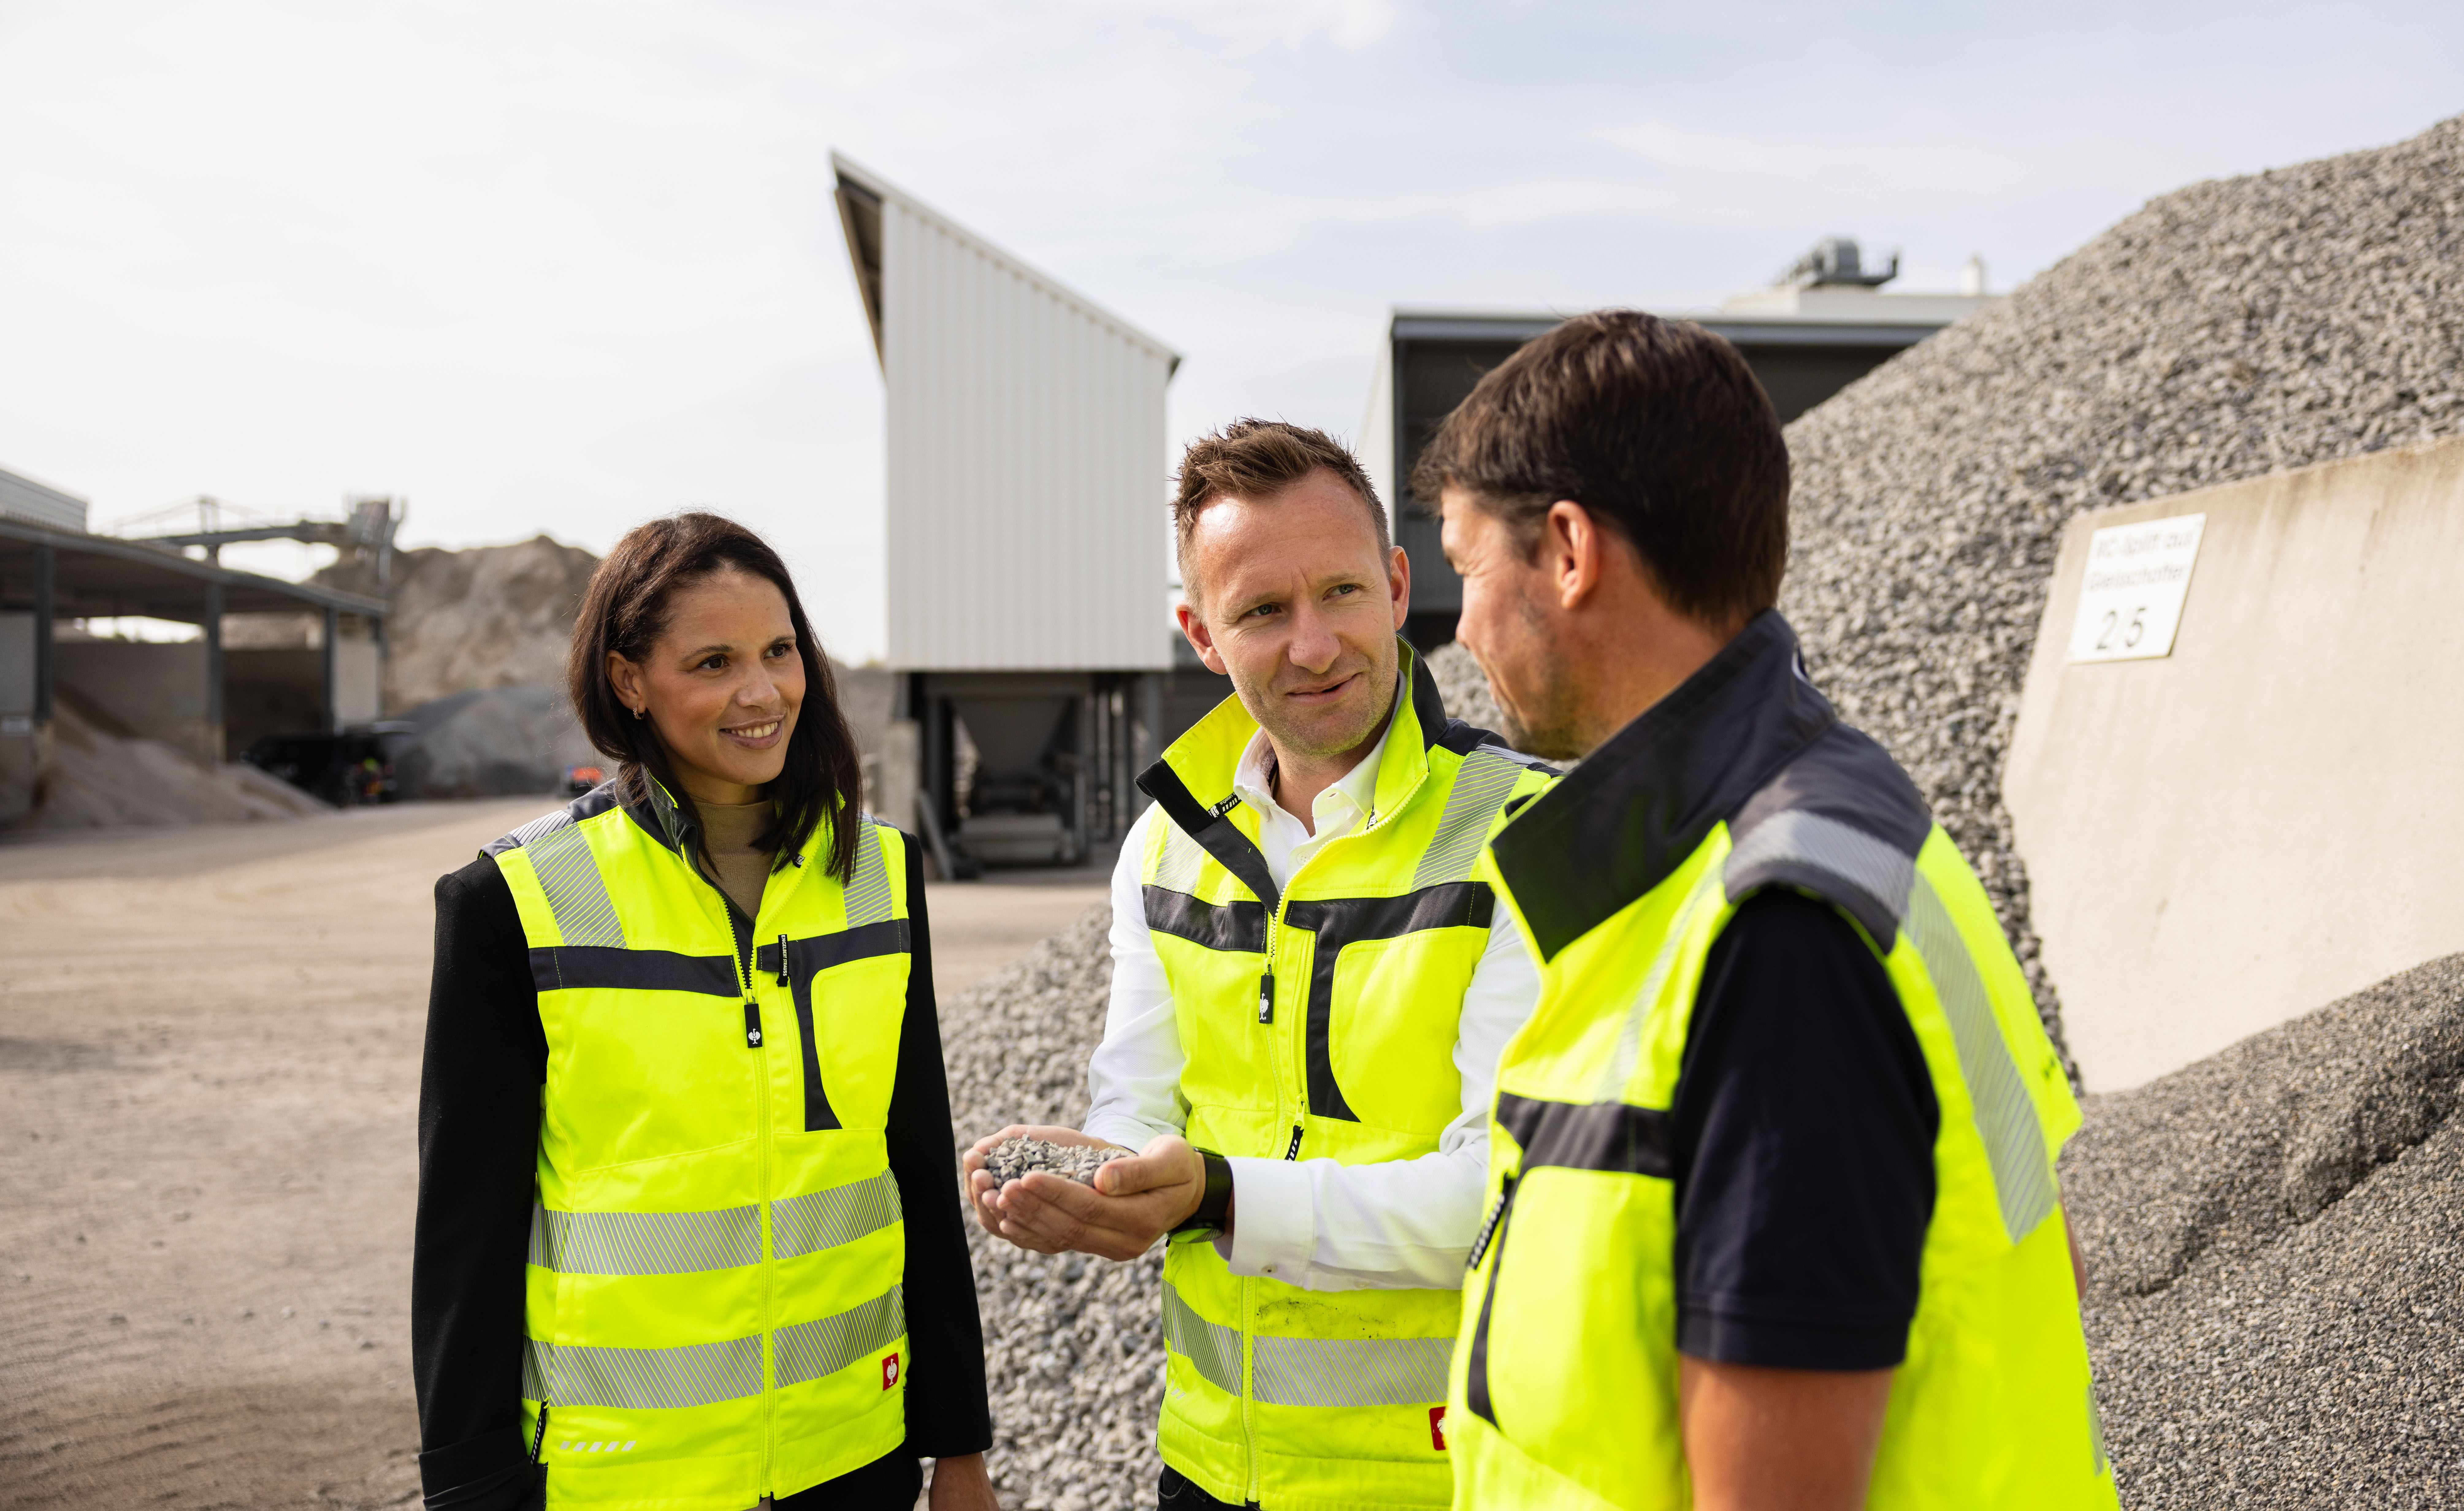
x=1014, y=1157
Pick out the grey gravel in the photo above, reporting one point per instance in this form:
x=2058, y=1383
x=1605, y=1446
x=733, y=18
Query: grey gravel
x=2224, y=331
x=1073, y=1347
x=2272, y=1237
x=1463, y=686
x=1015, y=1158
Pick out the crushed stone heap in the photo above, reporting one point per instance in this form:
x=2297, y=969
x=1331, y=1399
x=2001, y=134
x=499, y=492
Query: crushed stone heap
x=2225, y=330
x=1017, y=1158
x=2272, y=1237
x=1463, y=687
x=1073, y=1347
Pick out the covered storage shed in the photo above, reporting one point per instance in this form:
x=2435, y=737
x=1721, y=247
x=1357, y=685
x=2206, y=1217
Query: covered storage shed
x=1027, y=531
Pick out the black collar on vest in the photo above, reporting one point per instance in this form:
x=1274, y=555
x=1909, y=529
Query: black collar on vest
x=1210, y=824
x=1637, y=806
x=648, y=804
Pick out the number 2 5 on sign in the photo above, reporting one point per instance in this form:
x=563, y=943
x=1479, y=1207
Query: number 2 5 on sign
x=2130, y=601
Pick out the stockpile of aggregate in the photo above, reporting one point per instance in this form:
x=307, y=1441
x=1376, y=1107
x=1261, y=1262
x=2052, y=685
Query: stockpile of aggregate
x=2275, y=1250
x=103, y=776
x=1463, y=687
x=1073, y=1346
x=2224, y=331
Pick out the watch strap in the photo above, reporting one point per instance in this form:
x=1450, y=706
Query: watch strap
x=1215, y=1207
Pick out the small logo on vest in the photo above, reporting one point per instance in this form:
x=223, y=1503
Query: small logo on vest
x=1437, y=1428
x=888, y=1371
x=579, y=1447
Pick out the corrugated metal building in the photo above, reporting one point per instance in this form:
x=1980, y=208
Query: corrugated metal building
x=1028, y=536
x=39, y=503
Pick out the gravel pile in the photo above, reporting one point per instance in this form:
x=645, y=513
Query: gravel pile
x=2225, y=330
x=1073, y=1347
x=1463, y=686
x=2272, y=1237
x=1017, y=1158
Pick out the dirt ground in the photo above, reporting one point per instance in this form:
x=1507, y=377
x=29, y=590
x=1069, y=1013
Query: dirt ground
x=209, y=1044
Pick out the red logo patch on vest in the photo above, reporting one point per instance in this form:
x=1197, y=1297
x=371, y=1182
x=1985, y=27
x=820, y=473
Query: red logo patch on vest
x=1437, y=1428
x=888, y=1371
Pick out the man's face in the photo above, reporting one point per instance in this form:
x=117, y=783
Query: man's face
x=1509, y=615
x=1299, y=608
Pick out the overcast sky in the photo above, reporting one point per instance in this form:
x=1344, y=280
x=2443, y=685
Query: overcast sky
x=561, y=267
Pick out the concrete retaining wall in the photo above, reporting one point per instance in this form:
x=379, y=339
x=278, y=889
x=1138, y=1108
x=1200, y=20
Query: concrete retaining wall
x=2269, y=817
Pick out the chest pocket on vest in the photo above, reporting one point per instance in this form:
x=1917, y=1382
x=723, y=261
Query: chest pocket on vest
x=1383, y=1002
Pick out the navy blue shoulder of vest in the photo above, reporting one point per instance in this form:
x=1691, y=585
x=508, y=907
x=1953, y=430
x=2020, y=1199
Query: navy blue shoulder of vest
x=589, y=806
x=1747, y=740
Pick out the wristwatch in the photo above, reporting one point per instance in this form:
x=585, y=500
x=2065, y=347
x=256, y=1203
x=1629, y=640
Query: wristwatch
x=1215, y=1208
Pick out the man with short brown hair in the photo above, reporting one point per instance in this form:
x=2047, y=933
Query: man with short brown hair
x=1772, y=1219
x=1309, y=987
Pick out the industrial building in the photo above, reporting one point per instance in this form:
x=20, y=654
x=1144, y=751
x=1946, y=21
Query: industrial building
x=1825, y=324
x=197, y=695
x=1028, y=536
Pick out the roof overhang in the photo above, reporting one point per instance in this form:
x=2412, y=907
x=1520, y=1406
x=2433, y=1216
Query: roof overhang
x=860, y=194
x=1763, y=331
x=102, y=576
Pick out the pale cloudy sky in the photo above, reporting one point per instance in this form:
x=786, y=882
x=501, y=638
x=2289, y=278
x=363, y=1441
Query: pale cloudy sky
x=559, y=267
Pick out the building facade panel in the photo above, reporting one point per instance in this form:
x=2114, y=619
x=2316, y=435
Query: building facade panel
x=1025, y=467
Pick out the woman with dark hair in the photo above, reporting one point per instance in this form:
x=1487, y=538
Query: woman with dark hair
x=687, y=1234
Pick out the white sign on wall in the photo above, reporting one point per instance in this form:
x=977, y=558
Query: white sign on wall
x=2137, y=577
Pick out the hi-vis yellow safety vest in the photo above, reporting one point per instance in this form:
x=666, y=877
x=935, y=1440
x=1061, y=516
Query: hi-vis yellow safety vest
x=1319, y=1021
x=1565, y=1386
x=714, y=1311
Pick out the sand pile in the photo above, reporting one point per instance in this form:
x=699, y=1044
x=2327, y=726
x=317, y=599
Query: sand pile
x=101, y=776
x=470, y=620
x=2225, y=330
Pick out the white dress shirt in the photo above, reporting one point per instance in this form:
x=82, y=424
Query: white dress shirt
x=1313, y=1223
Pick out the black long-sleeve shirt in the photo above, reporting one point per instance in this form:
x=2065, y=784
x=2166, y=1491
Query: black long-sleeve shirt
x=478, y=1149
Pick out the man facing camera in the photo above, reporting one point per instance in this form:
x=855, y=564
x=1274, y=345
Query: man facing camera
x=1310, y=990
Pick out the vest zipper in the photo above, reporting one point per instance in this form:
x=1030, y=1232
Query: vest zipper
x=740, y=930
x=762, y=1148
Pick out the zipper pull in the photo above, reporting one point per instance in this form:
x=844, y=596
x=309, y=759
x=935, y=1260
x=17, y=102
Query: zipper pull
x=1266, y=997
x=1294, y=1150
x=752, y=1024
x=1488, y=1229
x=538, y=1439
x=783, y=959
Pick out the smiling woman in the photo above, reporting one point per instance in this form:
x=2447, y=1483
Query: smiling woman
x=685, y=1230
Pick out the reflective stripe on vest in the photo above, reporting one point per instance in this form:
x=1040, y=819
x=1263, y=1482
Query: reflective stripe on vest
x=683, y=1243
x=716, y=1248
x=1318, y=1020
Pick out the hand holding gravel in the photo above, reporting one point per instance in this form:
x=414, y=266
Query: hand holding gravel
x=1018, y=1157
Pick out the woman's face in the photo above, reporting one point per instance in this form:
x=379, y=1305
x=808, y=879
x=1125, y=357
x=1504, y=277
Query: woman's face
x=721, y=687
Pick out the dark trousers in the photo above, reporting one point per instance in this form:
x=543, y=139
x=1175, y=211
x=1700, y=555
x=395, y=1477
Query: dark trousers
x=1175, y=1492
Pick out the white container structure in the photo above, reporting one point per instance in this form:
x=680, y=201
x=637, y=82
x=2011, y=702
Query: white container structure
x=1028, y=533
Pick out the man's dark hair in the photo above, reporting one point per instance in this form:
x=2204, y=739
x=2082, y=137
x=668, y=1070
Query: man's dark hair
x=1254, y=458
x=1658, y=428
x=625, y=611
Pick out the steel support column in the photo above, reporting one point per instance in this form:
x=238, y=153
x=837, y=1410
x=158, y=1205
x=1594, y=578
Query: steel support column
x=213, y=627
x=333, y=693
x=1150, y=743
x=44, y=657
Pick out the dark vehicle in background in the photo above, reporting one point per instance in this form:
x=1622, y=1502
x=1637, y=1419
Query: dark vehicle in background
x=580, y=779
x=345, y=770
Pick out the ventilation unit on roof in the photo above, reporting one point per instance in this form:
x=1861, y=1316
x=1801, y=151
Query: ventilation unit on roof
x=1837, y=262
